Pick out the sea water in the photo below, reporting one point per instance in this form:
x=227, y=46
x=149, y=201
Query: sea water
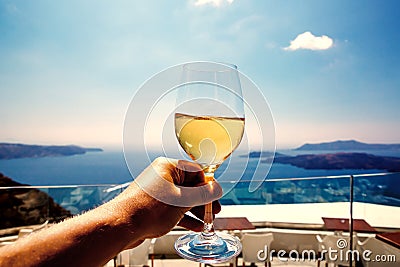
x=109, y=167
x=283, y=183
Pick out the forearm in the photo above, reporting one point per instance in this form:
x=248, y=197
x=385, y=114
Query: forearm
x=90, y=239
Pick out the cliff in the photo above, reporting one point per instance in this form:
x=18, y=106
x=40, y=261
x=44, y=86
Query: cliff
x=26, y=206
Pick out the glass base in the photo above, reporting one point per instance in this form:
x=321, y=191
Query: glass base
x=214, y=248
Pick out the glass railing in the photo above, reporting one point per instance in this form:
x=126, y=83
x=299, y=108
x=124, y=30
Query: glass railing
x=26, y=205
x=378, y=188
x=29, y=205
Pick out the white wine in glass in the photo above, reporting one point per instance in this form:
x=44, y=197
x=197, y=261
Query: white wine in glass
x=209, y=125
x=206, y=139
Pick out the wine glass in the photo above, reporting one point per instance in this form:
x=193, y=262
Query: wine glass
x=209, y=125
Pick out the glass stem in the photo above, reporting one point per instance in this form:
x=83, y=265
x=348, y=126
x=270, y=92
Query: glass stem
x=208, y=229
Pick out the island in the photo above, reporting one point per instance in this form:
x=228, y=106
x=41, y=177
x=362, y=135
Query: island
x=15, y=151
x=347, y=145
x=342, y=160
x=347, y=154
x=262, y=154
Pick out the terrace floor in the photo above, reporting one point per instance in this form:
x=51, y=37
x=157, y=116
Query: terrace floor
x=379, y=216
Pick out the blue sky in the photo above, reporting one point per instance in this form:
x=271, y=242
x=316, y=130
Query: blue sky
x=329, y=69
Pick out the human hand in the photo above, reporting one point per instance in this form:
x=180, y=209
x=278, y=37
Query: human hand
x=160, y=196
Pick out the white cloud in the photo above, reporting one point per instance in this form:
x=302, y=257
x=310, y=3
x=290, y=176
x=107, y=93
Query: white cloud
x=215, y=3
x=307, y=40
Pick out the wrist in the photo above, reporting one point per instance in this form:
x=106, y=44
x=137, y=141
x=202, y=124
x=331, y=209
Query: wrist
x=129, y=213
x=142, y=215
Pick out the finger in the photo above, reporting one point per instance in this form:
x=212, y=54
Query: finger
x=191, y=223
x=190, y=174
x=198, y=211
x=200, y=195
x=180, y=172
